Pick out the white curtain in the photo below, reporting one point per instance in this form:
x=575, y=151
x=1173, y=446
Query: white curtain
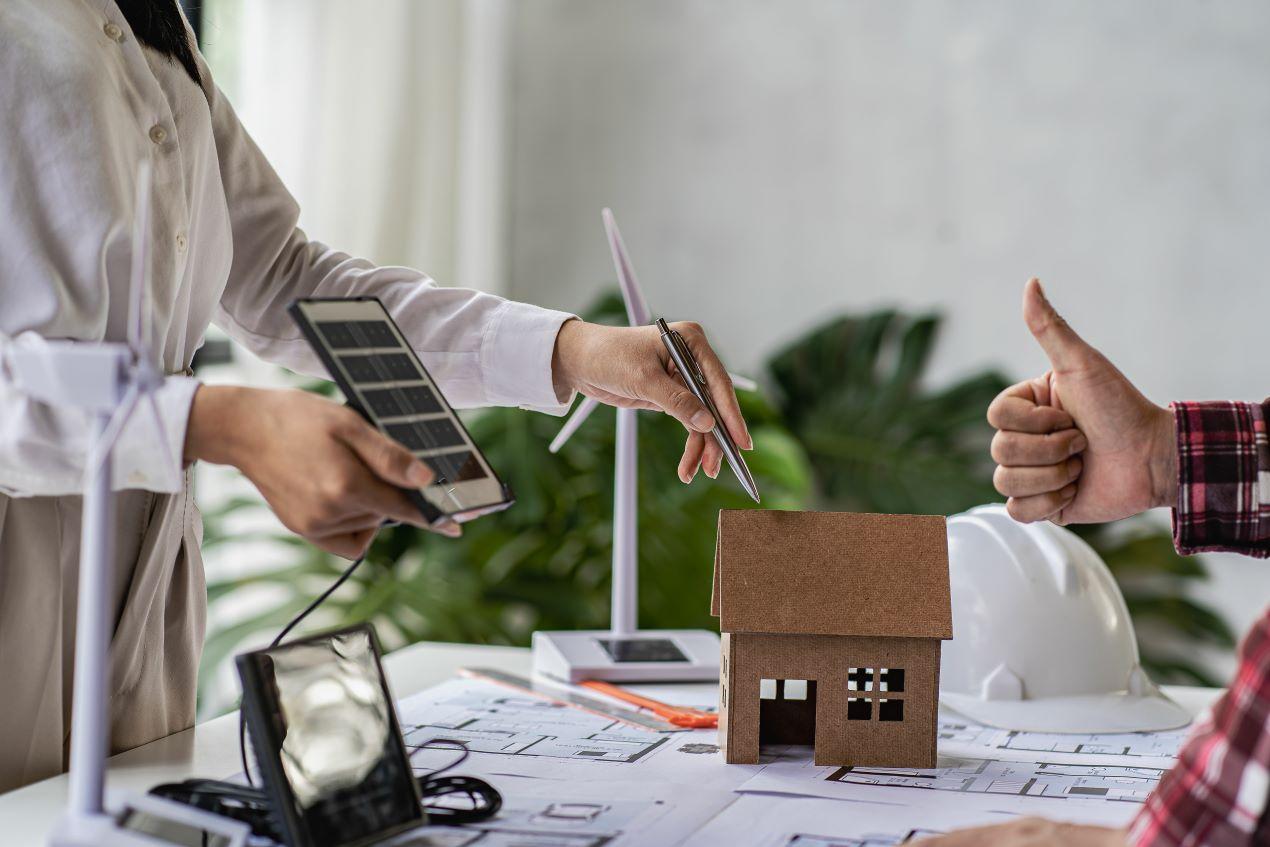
x=385, y=119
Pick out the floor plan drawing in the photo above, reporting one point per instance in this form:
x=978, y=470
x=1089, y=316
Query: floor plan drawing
x=959, y=737
x=1116, y=783
x=491, y=719
x=509, y=733
x=546, y=813
x=763, y=821
x=455, y=837
x=598, y=817
x=885, y=840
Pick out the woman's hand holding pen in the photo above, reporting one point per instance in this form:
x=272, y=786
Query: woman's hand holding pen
x=629, y=367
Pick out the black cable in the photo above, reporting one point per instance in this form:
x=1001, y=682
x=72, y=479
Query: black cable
x=286, y=630
x=486, y=801
x=251, y=805
x=443, y=744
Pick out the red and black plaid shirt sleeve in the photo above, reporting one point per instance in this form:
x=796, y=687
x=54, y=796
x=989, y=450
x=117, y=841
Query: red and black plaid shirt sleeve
x=1217, y=792
x=1223, y=478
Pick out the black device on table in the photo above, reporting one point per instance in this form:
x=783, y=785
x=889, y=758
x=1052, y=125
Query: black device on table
x=369, y=359
x=330, y=752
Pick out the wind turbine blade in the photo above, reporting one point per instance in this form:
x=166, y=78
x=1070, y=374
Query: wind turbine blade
x=637, y=311
x=744, y=383
x=101, y=449
x=571, y=425
x=139, y=284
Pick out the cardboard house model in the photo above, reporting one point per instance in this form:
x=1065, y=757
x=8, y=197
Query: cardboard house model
x=831, y=630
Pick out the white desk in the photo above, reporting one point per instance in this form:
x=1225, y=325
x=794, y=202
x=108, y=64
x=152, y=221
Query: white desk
x=211, y=749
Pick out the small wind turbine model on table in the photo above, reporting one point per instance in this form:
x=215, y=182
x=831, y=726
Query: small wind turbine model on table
x=624, y=653
x=109, y=380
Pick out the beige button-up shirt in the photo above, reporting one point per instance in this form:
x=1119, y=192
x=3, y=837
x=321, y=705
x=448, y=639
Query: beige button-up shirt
x=83, y=104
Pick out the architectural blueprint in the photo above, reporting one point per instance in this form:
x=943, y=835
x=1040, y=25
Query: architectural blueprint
x=810, y=822
x=548, y=813
x=1096, y=794
x=492, y=719
x=510, y=734
x=1113, y=783
x=963, y=738
x=573, y=778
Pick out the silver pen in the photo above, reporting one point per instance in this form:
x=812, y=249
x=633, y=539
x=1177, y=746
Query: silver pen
x=692, y=376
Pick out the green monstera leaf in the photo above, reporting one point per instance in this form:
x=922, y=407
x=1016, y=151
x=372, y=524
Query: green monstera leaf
x=851, y=391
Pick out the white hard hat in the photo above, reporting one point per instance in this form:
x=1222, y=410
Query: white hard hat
x=1042, y=639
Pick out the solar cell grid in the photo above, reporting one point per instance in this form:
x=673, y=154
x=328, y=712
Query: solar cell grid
x=375, y=334
x=399, y=366
x=380, y=368
x=348, y=335
x=408, y=400
x=455, y=467
x=426, y=435
x=376, y=369
x=337, y=334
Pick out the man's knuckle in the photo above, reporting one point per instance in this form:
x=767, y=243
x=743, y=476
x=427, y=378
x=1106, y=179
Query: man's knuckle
x=999, y=449
x=994, y=415
x=1052, y=446
x=1056, y=475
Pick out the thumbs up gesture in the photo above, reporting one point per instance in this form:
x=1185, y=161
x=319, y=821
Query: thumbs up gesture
x=1079, y=444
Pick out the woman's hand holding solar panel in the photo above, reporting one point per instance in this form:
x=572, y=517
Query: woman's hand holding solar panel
x=327, y=474
x=629, y=367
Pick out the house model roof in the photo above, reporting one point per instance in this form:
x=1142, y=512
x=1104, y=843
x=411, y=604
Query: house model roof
x=832, y=573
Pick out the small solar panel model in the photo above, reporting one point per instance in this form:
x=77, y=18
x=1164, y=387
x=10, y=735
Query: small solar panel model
x=382, y=378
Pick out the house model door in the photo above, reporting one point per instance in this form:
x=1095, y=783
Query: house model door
x=787, y=711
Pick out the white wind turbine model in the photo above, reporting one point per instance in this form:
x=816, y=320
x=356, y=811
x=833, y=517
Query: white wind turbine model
x=623, y=653
x=108, y=381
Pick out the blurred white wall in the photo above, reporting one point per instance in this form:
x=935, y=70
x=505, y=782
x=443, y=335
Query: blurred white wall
x=774, y=163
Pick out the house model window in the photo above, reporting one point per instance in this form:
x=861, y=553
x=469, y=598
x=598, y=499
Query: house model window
x=866, y=684
x=782, y=689
x=831, y=631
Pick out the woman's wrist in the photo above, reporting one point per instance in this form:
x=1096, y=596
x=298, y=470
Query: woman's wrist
x=565, y=356
x=213, y=432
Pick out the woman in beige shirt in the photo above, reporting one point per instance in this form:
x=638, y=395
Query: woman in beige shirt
x=93, y=87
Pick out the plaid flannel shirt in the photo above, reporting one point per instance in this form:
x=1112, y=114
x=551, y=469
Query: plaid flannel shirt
x=1217, y=792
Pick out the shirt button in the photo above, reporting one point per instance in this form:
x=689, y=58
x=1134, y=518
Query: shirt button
x=158, y=134
x=181, y=242
x=137, y=478
x=113, y=31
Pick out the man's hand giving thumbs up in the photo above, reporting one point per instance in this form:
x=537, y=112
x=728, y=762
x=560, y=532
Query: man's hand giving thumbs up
x=1079, y=444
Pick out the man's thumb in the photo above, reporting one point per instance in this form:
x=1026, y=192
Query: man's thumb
x=1059, y=341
